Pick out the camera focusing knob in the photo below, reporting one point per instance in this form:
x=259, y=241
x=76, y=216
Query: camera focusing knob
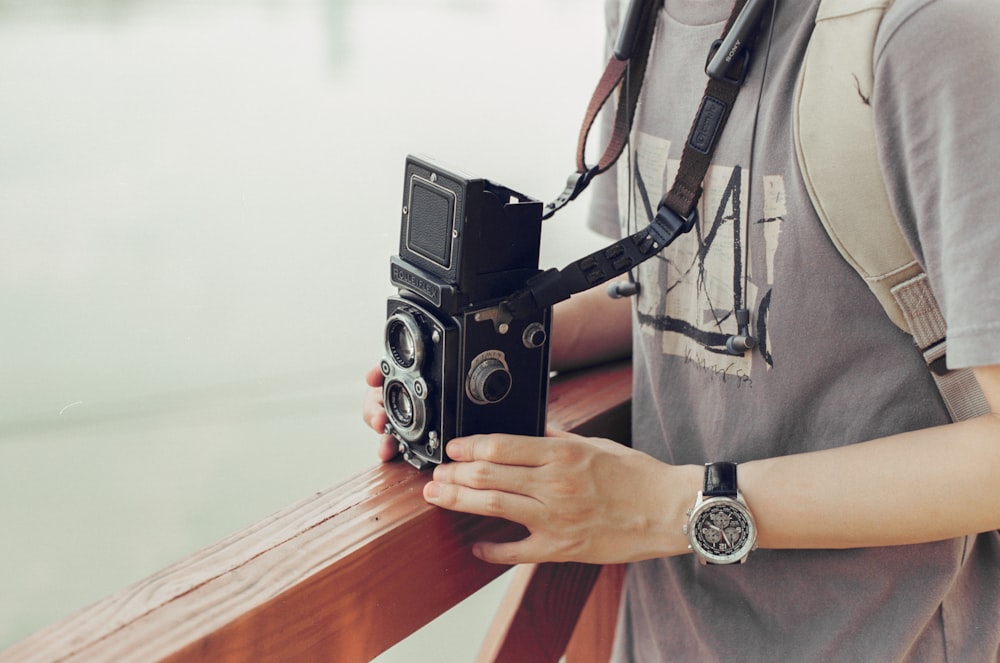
x=489, y=381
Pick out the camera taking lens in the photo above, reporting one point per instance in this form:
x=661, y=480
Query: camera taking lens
x=400, y=404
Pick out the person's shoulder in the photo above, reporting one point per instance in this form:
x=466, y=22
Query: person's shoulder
x=935, y=26
x=901, y=11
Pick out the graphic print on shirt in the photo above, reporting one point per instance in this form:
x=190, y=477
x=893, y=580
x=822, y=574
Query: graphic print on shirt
x=689, y=293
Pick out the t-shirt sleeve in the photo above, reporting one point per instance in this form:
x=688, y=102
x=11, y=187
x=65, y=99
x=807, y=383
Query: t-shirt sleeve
x=936, y=95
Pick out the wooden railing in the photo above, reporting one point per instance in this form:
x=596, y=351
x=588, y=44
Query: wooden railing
x=332, y=577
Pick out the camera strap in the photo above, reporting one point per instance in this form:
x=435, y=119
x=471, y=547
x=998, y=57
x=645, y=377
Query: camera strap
x=728, y=62
x=625, y=72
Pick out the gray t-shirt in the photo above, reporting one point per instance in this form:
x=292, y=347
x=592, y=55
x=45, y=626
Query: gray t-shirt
x=830, y=368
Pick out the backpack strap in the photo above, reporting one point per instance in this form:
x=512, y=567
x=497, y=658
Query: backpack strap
x=959, y=388
x=834, y=136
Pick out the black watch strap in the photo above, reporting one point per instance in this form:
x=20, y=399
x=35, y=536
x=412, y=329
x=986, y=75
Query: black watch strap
x=720, y=480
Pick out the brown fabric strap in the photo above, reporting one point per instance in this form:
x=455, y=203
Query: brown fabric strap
x=716, y=104
x=624, y=73
x=627, y=76
x=613, y=76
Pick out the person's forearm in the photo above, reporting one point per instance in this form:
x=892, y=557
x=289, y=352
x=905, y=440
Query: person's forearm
x=915, y=487
x=590, y=328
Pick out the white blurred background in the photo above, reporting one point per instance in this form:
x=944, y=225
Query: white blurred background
x=197, y=204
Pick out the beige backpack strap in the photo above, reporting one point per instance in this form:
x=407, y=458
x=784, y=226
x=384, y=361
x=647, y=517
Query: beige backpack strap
x=835, y=143
x=959, y=389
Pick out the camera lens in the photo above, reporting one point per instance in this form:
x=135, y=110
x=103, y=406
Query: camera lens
x=399, y=405
x=406, y=408
x=403, y=340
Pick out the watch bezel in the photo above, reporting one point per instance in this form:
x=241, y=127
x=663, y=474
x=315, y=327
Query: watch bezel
x=705, y=505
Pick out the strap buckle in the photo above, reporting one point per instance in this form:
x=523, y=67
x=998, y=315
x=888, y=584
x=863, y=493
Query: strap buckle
x=721, y=66
x=668, y=225
x=724, y=52
x=575, y=184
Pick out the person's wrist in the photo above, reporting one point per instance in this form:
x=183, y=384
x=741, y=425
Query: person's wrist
x=676, y=491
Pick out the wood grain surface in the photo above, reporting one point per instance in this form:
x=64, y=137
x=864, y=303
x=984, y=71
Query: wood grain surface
x=342, y=575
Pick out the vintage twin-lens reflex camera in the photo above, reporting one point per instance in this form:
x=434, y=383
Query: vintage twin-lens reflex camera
x=455, y=364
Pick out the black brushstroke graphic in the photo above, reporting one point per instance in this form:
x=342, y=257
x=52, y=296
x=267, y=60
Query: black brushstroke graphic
x=728, y=211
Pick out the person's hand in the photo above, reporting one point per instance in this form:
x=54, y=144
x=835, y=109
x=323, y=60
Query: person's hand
x=581, y=499
x=373, y=412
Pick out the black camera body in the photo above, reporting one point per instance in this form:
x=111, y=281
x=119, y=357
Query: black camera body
x=455, y=364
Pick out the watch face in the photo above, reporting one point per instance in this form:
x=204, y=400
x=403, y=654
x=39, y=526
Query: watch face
x=723, y=531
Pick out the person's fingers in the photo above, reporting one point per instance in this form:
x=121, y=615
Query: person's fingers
x=526, y=551
x=387, y=448
x=374, y=377
x=517, y=508
x=483, y=475
x=373, y=412
x=502, y=449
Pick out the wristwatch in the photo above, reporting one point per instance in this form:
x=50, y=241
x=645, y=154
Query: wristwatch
x=720, y=527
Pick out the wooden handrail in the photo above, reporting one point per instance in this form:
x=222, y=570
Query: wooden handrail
x=552, y=609
x=342, y=575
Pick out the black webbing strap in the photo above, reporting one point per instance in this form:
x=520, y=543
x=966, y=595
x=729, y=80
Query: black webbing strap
x=677, y=211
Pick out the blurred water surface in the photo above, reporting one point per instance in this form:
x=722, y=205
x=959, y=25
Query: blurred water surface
x=197, y=204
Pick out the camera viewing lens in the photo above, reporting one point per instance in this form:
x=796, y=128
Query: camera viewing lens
x=399, y=405
x=403, y=340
